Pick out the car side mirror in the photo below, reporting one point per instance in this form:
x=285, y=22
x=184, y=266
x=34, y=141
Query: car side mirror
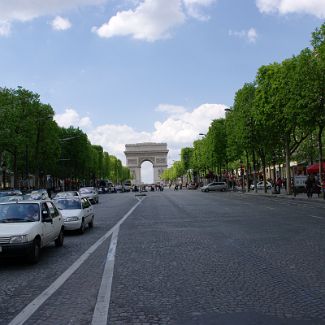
x=46, y=217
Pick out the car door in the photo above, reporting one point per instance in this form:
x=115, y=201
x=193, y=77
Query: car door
x=87, y=209
x=47, y=226
x=56, y=218
x=213, y=187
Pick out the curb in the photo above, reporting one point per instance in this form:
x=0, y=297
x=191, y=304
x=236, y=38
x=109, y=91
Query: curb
x=287, y=197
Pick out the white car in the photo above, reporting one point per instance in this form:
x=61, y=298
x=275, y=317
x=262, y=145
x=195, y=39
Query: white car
x=27, y=226
x=67, y=194
x=77, y=213
x=89, y=192
x=260, y=185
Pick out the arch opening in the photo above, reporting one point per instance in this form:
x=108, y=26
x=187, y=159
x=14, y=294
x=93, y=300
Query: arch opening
x=147, y=172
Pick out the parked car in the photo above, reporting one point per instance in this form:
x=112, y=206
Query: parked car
x=40, y=194
x=11, y=195
x=119, y=188
x=77, y=212
x=67, y=194
x=260, y=185
x=89, y=192
x=192, y=186
x=27, y=226
x=105, y=186
x=215, y=186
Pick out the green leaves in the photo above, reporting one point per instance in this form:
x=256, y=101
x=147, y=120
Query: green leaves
x=34, y=144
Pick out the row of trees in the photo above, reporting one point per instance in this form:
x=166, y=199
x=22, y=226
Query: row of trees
x=31, y=143
x=275, y=119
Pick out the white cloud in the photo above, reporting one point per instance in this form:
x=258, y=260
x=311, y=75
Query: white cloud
x=71, y=118
x=170, y=109
x=5, y=28
x=27, y=10
x=250, y=35
x=312, y=7
x=193, y=8
x=178, y=130
x=60, y=23
x=23, y=10
x=152, y=20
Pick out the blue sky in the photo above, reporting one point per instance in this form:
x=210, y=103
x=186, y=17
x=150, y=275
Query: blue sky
x=146, y=70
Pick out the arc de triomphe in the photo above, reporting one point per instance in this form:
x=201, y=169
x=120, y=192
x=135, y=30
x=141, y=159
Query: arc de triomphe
x=138, y=153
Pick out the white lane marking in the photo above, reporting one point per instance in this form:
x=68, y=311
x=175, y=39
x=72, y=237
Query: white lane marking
x=317, y=217
x=30, y=309
x=270, y=208
x=104, y=295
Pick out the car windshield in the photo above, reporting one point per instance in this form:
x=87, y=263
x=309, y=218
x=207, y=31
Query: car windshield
x=68, y=204
x=38, y=194
x=19, y=212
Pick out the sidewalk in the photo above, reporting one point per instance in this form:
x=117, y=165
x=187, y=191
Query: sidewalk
x=284, y=195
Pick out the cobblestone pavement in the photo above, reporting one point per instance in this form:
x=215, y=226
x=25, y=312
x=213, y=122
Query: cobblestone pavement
x=185, y=257
x=220, y=258
x=74, y=302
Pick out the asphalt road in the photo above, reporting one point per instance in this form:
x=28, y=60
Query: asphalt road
x=178, y=257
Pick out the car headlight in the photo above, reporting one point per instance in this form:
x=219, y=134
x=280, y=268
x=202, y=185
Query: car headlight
x=18, y=239
x=72, y=219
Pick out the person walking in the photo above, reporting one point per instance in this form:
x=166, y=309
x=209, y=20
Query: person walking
x=278, y=185
x=309, y=186
x=323, y=187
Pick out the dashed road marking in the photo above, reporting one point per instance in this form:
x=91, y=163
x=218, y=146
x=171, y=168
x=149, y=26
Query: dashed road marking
x=32, y=307
x=104, y=295
x=317, y=217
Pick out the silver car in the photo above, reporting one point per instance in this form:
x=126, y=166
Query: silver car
x=89, y=192
x=215, y=186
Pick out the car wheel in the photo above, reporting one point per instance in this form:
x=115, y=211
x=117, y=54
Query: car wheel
x=91, y=223
x=82, y=227
x=60, y=239
x=36, y=251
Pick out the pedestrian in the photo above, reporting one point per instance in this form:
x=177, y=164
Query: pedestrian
x=278, y=185
x=323, y=187
x=309, y=186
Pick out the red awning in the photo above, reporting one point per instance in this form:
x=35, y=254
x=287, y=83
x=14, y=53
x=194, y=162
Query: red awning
x=314, y=169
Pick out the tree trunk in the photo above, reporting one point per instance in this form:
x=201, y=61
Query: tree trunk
x=264, y=173
x=247, y=172
x=288, y=171
x=320, y=149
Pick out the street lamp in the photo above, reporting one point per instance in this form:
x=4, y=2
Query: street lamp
x=4, y=168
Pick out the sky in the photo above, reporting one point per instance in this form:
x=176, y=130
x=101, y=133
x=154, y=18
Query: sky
x=133, y=71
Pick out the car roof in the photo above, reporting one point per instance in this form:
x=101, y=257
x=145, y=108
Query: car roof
x=25, y=201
